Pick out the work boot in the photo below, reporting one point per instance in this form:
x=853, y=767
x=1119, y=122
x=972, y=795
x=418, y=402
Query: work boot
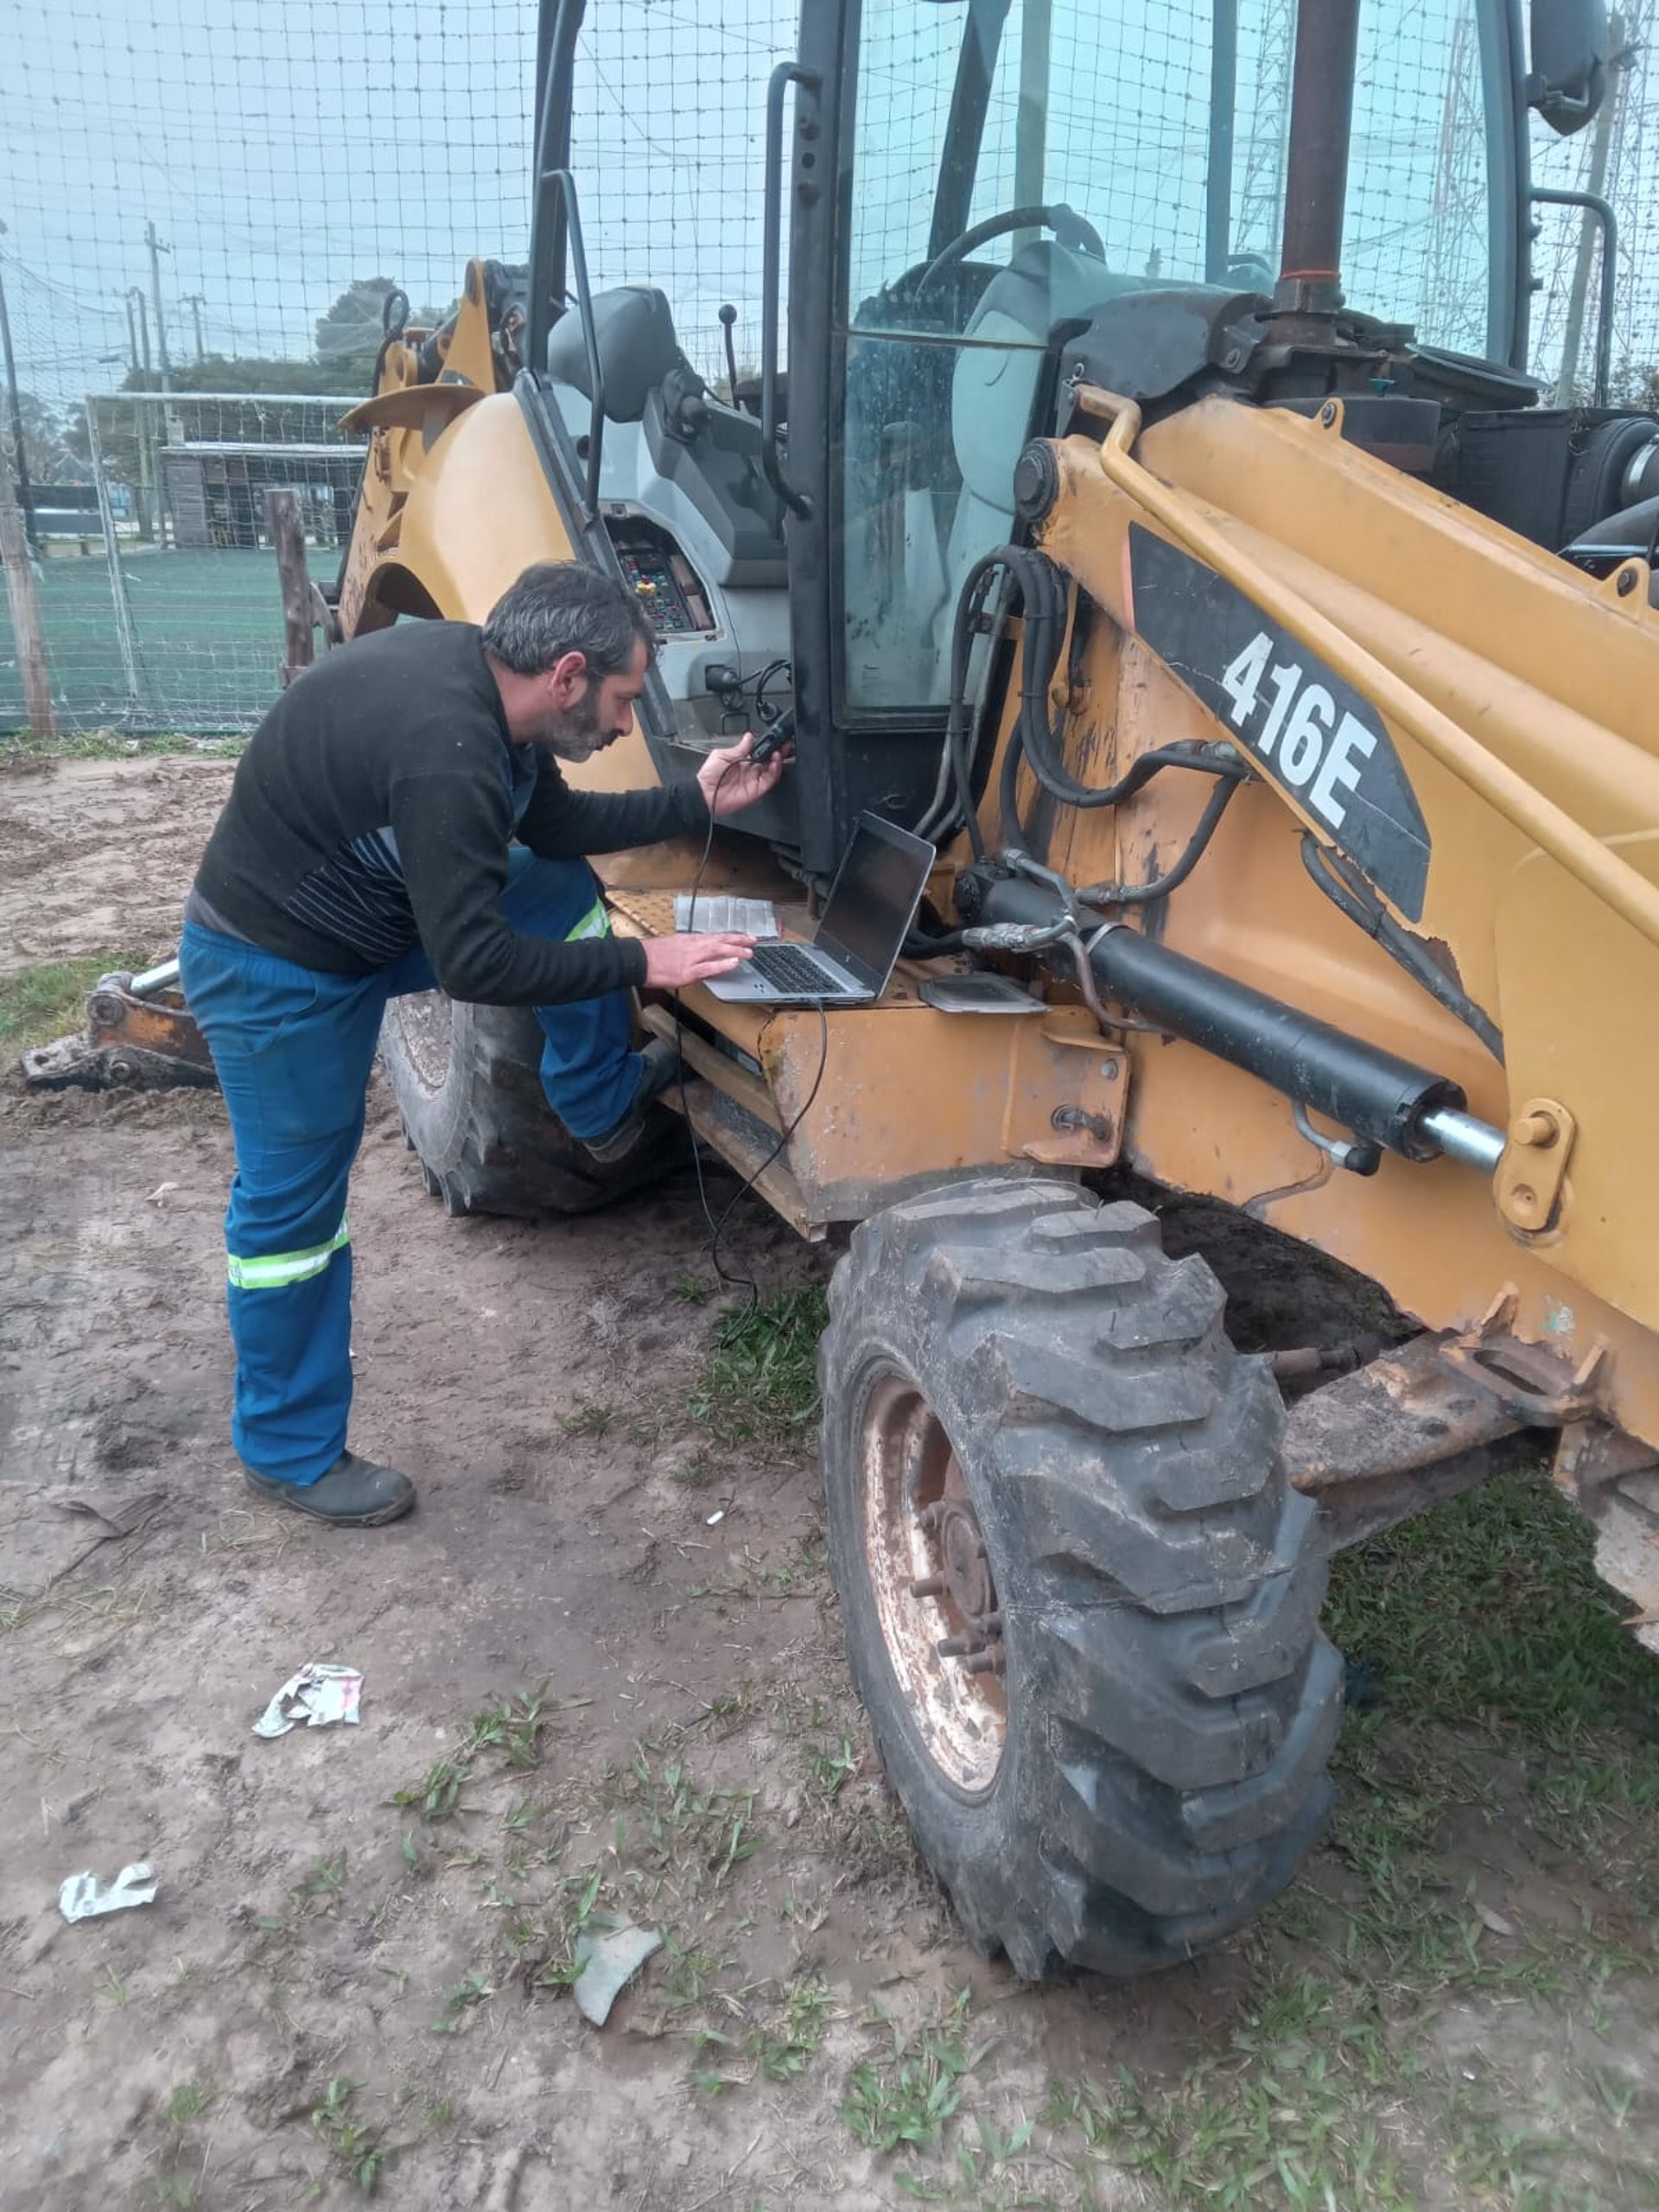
x=354, y=1493
x=661, y=1068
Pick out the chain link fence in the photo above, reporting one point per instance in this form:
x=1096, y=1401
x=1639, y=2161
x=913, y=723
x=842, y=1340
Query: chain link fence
x=203, y=204
x=158, y=597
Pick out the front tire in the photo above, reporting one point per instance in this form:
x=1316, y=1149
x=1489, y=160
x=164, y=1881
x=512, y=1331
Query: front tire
x=1041, y=1453
x=467, y=1083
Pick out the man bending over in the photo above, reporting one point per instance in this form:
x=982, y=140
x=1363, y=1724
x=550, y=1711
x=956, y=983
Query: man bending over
x=398, y=823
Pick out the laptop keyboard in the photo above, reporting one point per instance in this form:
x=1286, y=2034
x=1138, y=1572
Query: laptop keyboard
x=786, y=968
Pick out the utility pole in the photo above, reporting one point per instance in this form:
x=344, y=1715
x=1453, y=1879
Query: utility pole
x=26, y=633
x=157, y=249
x=141, y=344
x=20, y=469
x=194, y=301
x=141, y=360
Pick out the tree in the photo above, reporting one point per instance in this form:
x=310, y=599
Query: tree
x=1638, y=387
x=47, y=451
x=348, y=336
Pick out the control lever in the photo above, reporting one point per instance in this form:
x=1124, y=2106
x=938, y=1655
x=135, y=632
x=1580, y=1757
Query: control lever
x=727, y=317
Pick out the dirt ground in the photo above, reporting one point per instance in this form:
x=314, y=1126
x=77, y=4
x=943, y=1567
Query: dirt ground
x=602, y=1670
x=96, y=855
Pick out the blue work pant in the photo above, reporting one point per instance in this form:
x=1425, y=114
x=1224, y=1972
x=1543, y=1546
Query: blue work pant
x=292, y=1048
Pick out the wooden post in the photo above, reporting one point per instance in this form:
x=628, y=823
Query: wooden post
x=287, y=533
x=25, y=609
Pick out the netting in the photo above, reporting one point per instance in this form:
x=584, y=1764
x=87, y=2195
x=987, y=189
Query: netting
x=212, y=197
x=158, y=594
x=1617, y=158
x=667, y=146
x=216, y=195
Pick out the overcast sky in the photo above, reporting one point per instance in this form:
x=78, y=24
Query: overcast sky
x=284, y=150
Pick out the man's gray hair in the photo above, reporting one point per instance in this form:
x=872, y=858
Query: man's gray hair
x=558, y=607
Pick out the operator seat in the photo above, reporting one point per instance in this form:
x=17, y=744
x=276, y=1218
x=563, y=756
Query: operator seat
x=633, y=331
x=709, y=452
x=993, y=392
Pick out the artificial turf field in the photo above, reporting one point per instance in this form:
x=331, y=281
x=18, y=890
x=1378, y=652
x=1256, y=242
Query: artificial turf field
x=207, y=639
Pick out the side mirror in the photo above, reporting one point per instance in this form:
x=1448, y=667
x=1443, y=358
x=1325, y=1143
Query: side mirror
x=1568, y=77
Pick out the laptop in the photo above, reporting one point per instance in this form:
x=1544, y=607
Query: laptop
x=860, y=933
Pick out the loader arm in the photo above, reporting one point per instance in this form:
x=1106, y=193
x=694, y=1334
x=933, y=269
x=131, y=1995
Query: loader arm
x=1516, y=702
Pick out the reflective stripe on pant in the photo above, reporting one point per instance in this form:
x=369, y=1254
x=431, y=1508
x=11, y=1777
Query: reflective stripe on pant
x=293, y=1048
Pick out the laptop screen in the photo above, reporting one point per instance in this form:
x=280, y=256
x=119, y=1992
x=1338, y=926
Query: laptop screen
x=875, y=900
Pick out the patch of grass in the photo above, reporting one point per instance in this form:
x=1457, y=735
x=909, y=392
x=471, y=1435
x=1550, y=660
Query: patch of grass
x=692, y=1975
x=1488, y=1613
x=666, y=1821
x=49, y=1000
x=828, y=1767
x=1489, y=1608
x=991, y=2172
x=761, y=1379
x=907, y=2097
x=189, y=2102
x=697, y=1472
x=458, y=2002
x=782, y=2048
x=513, y=1726
x=356, y=2145
x=691, y=1290
x=808, y=1566
x=112, y=745
x=1500, y=1668
x=1291, y=2132
x=590, y=1420
x=319, y=1888
x=437, y=1795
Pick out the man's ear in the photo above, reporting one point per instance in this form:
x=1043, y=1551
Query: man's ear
x=567, y=678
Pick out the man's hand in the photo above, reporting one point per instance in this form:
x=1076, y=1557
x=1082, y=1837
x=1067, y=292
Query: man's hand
x=673, y=961
x=728, y=783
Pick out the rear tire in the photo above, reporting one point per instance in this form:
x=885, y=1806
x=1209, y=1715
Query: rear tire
x=468, y=1087
x=1033, y=1415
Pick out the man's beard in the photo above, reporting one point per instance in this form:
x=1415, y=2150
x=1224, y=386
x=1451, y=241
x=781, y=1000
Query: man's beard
x=575, y=735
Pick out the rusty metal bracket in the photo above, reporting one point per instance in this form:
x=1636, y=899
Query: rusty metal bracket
x=1592, y=1453
x=1086, y=1129
x=139, y=1036
x=1532, y=1170
x=1536, y=1388
x=1400, y=1434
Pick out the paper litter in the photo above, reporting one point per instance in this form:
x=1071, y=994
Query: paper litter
x=83, y=1897
x=320, y=1694
x=609, y=1953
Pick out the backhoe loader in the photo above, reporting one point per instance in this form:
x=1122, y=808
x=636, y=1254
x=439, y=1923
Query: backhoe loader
x=1142, y=496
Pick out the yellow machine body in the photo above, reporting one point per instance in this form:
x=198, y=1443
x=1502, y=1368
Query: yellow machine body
x=1523, y=700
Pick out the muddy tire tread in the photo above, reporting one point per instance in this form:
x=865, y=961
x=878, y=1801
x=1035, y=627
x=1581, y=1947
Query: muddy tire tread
x=1161, y=1583
x=487, y=1140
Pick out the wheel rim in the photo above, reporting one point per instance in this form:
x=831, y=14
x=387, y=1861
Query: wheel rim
x=424, y=1020
x=933, y=1585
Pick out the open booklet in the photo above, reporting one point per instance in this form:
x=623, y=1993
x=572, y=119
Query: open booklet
x=717, y=911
